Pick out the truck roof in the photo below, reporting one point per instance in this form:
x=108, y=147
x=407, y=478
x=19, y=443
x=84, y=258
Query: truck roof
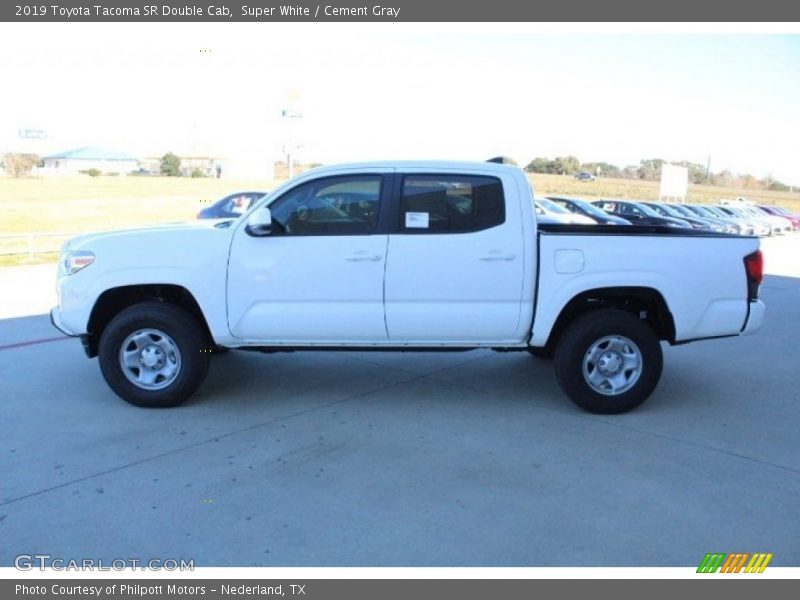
x=419, y=164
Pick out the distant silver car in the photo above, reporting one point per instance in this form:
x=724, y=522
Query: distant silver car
x=759, y=226
x=548, y=211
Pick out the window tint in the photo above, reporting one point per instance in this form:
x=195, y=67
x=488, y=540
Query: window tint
x=450, y=203
x=335, y=205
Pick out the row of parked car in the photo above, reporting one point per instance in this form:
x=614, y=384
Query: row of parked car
x=741, y=220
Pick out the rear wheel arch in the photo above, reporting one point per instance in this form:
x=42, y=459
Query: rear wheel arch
x=646, y=303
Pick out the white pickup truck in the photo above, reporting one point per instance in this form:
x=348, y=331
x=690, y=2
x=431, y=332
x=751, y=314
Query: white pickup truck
x=410, y=256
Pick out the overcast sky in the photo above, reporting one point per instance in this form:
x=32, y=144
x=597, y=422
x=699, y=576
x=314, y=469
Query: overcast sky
x=383, y=91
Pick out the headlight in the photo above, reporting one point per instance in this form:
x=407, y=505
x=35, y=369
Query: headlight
x=75, y=260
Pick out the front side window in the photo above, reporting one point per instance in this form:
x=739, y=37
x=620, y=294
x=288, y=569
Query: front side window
x=334, y=205
x=450, y=203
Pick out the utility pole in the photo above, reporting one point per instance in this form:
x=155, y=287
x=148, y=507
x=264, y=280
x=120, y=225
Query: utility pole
x=290, y=114
x=708, y=170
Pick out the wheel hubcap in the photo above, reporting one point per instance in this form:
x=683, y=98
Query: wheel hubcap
x=150, y=359
x=612, y=365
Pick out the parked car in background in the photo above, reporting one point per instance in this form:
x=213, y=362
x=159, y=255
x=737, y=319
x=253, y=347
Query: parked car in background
x=638, y=213
x=555, y=213
x=716, y=224
x=760, y=227
x=745, y=227
x=582, y=207
x=231, y=206
x=584, y=176
x=778, y=225
x=779, y=211
x=667, y=211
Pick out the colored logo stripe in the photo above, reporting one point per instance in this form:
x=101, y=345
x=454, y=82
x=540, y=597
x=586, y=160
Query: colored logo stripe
x=710, y=563
x=758, y=563
x=733, y=563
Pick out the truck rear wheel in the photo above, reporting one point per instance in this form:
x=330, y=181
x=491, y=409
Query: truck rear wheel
x=608, y=361
x=154, y=355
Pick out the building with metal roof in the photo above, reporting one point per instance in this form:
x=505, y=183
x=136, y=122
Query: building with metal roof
x=74, y=161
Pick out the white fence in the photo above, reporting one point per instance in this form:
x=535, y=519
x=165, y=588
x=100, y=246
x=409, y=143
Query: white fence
x=31, y=244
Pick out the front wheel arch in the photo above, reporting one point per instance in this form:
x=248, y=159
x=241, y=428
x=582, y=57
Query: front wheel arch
x=113, y=301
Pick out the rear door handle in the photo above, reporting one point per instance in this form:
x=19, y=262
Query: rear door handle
x=363, y=257
x=497, y=256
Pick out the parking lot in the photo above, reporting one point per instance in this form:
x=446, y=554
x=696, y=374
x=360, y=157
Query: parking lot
x=402, y=459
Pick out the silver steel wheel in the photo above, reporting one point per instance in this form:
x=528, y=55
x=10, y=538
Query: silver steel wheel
x=150, y=359
x=612, y=365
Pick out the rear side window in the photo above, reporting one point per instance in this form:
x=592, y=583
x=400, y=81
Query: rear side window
x=450, y=203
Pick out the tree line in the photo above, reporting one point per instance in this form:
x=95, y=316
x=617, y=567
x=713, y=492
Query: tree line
x=650, y=170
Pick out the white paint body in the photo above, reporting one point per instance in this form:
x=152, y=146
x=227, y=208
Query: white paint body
x=497, y=287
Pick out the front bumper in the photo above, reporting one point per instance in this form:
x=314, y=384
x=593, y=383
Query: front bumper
x=84, y=337
x=56, y=322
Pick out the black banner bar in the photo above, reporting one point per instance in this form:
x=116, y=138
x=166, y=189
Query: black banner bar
x=388, y=589
x=779, y=11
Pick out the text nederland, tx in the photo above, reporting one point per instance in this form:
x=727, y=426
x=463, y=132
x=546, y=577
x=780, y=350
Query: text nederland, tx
x=157, y=590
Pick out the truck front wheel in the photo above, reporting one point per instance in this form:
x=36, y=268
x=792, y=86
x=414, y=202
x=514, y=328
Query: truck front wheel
x=608, y=361
x=154, y=355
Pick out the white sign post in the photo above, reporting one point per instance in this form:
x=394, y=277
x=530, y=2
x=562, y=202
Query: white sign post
x=674, y=182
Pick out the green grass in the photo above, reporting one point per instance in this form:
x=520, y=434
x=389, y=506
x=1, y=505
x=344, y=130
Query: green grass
x=80, y=204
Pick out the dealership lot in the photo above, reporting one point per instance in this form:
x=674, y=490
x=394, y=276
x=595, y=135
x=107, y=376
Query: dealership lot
x=395, y=459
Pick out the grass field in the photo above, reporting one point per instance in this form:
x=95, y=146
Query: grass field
x=77, y=204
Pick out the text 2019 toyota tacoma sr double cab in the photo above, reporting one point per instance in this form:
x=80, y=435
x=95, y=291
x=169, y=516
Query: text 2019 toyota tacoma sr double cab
x=410, y=256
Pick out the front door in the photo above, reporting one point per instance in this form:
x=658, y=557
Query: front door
x=318, y=276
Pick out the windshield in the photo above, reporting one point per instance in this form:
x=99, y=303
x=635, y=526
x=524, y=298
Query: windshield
x=646, y=209
x=717, y=211
x=735, y=211
x=591, y=209
x=552, y=206
x=664, y=210
x=702, y=210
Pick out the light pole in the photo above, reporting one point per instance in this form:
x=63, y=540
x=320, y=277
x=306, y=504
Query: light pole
x=290, y=114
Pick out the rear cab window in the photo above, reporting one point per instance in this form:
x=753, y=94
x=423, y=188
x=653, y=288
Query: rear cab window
x=450, y=203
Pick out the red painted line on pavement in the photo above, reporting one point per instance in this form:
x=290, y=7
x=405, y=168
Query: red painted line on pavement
x=34, y=342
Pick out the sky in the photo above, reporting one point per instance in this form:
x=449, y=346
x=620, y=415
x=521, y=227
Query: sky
x=404, y=90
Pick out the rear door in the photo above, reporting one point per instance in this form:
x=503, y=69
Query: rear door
x=455, y=264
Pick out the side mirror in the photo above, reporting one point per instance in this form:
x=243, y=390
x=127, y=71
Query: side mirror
x=259, y=223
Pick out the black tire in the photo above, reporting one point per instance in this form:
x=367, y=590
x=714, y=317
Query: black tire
x=181, y=334
x=602, y=339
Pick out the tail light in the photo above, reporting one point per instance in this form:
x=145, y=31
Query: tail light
x=754, y=267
